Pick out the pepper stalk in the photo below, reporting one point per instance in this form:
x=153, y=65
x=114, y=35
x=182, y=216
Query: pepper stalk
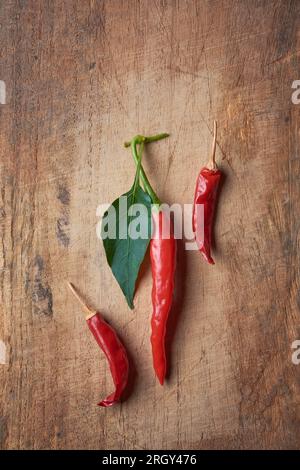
x=141, y=140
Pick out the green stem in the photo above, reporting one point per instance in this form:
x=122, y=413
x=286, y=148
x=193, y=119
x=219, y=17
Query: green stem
x=140, y=155
x=147, y=140
x=141, y=140
x=138, y=169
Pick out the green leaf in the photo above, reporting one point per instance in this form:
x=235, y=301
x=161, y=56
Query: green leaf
x=126, y=237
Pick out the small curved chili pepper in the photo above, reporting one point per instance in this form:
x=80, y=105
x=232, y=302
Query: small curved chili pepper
x=206, y=194
x=112, y=347
x=163, y=263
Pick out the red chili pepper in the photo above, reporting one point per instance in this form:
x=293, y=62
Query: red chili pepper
x=206, y=194
x=163, y=262
x=112, y=347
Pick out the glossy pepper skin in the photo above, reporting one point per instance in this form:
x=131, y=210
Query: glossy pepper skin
x=116, y=355
x=163, y=263
x=206, y=194
x=112, y=347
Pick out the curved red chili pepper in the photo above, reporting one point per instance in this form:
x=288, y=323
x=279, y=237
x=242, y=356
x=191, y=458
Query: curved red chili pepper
x=206, y=194
x=116, y=355
x=113, y=349
x=163, y=262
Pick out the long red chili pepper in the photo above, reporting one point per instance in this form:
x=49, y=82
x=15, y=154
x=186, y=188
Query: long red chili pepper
x=112, y=347
x=206, y=194
x=163, y=263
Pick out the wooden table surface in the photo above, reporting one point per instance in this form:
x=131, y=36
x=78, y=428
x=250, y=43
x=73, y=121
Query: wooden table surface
x=81, y=77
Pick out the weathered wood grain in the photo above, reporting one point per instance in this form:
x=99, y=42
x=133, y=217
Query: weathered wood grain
x=82, y=77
